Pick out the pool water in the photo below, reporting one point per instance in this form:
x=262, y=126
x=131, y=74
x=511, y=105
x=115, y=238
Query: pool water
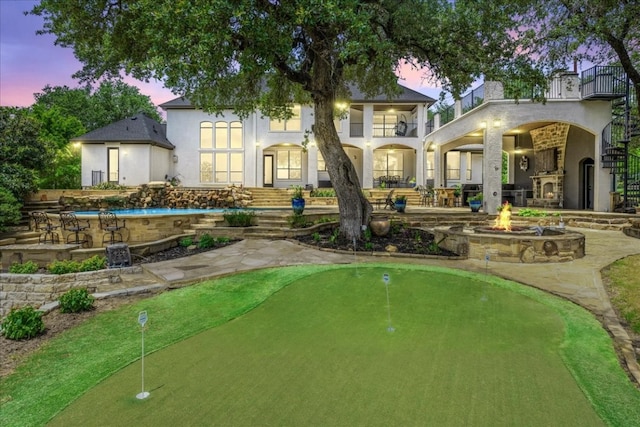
x=154, y=211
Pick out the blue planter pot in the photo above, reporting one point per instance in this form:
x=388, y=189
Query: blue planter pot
x=298, y=206
x=475, y=205
x=401, y=206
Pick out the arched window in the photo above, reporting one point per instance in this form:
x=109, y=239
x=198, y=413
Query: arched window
x=206, y=135
x=221, y=153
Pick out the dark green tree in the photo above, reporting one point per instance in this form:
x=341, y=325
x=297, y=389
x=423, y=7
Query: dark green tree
x=22, y=152
x=65, y=113
x=112, y=100
x=268, y=54
x=56, y=128
x=558, y=32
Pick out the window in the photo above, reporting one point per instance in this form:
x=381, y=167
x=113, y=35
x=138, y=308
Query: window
x=289, y=164
x=221, y=155
x=322, y=165
x=388, y=163
x=206, y=167
x=222, y=135
x=453, y=165
x=294, y=123
x=430, y=165
x=113, y=164
x=235, y=135
x=384, y=125
x=206, y=135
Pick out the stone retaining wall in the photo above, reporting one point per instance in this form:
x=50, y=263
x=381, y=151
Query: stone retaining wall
x=633, y=230
x=157, y=195
x=20, y=290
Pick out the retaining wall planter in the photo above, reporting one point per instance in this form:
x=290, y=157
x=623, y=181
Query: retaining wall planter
x=20, y=290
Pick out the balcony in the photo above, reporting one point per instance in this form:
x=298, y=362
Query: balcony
x=385, y=130
x=603, y=83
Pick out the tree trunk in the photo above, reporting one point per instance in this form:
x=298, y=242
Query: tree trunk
x=355, y=209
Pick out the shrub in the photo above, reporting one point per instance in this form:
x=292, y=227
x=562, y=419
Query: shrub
x=23, y=323
x=9, y=209
x=297, y=221
x=185, y=242
x=115, y=201
x=64, y=267
x=323, y=193
x=206, y=241
x=28, y=267
x=239, y=218
x=94, y=263
x=109, y=186
x=526, y=212
x=75, y=301
x=223, y=240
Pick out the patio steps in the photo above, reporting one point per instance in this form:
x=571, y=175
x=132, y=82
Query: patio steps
x=264, y=197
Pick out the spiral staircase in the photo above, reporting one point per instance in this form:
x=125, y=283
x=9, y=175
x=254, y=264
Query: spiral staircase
x=608, y=82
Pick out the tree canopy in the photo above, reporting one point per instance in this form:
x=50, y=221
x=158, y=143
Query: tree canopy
x=110, y=101
x=248, y=54
x=557, y=32
x=22, y=152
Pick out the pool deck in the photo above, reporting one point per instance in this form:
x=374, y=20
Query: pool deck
x=579, y=280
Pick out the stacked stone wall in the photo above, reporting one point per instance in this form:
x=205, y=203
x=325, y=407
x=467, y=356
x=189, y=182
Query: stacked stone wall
x=161, y=195
x=20, y=290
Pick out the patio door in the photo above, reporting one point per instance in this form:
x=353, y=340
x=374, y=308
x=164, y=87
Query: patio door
x=267, y=179
x=113, y=164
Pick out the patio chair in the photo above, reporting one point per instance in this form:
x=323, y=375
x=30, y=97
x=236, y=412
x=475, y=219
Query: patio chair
x=75, y=227
x=111, y=226
x=389, y=201
x=43, y=224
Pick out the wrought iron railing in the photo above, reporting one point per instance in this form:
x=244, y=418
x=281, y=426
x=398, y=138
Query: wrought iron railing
x=603, y=81
x=472, y=99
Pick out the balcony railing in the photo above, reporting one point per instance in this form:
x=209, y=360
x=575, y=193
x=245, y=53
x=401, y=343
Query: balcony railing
x=603, y=82
x=472, y=99
x=399, y=130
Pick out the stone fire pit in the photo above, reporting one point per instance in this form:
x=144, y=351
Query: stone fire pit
x=522, y=245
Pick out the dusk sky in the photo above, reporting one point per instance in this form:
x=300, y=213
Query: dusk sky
x=29, y=62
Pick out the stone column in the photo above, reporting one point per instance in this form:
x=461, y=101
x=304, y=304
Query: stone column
x=312, y=164
x=492, y=169
x=367, y=165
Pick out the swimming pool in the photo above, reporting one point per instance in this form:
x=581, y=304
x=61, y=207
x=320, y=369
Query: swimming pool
x=154, y=211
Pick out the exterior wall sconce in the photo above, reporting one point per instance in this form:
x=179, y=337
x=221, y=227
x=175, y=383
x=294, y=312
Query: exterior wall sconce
x=497, y=123
x=175, y=159
x=258, y=143
x=483, y=125
x=368, y=143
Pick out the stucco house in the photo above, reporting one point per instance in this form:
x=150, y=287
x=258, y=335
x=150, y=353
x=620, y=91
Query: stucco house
x=554, y=154
x=131, y=151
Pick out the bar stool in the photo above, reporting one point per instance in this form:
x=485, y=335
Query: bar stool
x=75, y=227
x=43, y=224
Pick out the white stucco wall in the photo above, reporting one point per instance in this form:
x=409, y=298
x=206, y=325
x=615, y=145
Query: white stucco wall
x=591, y=116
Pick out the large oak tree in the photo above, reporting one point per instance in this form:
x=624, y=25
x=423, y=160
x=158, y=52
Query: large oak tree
x=597, y=31
x=268, y=54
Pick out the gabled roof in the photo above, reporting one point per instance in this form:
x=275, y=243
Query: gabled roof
x=406, y=96
x=139, y=129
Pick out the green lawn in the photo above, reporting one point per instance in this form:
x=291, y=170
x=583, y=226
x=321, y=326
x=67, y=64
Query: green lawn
x=467, y=350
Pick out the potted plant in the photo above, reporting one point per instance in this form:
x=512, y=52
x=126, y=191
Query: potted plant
x=400, y=202
x=475, y=202
x=297, y=199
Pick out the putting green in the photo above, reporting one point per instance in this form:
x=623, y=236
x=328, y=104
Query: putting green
x=319, y=352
